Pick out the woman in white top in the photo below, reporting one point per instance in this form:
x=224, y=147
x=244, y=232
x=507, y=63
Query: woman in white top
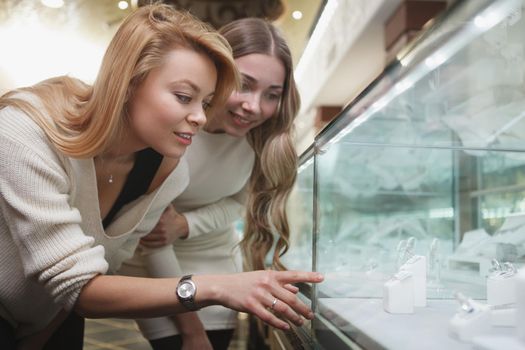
x=243, y=161
x=67, y=151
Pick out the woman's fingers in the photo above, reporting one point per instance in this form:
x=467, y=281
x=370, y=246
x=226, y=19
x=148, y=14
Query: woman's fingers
x=269, y=317
x=284, y=310
x=269, y=295
x=291, y=288
x=287, y=277
x=291, y=307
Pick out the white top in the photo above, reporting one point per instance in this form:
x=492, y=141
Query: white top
x=51, y=230
x=219, y=167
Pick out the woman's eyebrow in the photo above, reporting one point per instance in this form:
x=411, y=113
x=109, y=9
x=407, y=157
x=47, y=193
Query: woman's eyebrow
x=187, y=82
x=251, y=79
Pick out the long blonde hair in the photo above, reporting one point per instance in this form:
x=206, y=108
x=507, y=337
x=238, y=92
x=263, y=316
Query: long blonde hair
x=275, y=165
x=87, y=119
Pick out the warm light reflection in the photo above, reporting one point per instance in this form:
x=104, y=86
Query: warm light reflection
x=46, y=53
x=53, y=3
x=123, y=5
x=297, y=15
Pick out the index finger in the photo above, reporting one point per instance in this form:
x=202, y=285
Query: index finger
x=299, y=276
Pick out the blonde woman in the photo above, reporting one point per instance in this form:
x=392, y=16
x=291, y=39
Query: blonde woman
x=243, y=161
x=86, y=171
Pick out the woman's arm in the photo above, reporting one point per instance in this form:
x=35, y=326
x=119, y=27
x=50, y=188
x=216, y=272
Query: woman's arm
x=173, y=225
x=252, y=292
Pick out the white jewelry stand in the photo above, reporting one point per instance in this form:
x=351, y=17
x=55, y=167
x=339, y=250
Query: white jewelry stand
x=471, y=319
x=501, y=284
x=398, y=294
x=417, y=266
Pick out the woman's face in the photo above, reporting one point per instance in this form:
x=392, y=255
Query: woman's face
x=169, y=106
x=262, y=88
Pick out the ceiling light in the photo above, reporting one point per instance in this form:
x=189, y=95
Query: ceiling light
x=53, y=3
x=123, y=5
x=297, y=15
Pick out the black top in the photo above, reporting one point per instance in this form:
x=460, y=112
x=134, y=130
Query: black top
x=147, y=162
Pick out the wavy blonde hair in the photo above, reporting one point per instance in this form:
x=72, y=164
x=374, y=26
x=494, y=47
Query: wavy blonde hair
x=275, y=167
x=87, y=119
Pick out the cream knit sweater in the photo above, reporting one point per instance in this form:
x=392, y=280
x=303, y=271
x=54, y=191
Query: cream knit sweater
x=52, y=239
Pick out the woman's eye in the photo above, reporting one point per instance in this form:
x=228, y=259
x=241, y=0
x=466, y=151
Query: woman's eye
x=206, y=105
x=273, y=97
x=183, y=98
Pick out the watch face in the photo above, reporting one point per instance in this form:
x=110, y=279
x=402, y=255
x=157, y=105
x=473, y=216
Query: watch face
x=186, y=289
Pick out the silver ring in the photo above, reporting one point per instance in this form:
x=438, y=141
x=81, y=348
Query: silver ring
x=273, y=303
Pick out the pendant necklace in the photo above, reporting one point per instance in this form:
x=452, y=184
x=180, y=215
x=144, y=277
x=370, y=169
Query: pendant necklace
x=102, y=163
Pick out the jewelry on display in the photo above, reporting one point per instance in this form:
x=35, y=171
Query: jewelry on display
x=472, y=319
x=501, y=284
x=417, y=266
x=495, y=266
x=464, y=303
x=434, y=264
x=273, y=303
x=509, y=269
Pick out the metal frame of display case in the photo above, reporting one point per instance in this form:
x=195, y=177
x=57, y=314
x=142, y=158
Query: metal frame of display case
x=324, y=334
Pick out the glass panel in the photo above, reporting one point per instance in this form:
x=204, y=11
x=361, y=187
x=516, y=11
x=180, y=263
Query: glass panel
x=469, y=89
x=300, y=216
x=427, y=166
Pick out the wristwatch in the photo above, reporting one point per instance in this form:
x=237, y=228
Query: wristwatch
x=186, y=290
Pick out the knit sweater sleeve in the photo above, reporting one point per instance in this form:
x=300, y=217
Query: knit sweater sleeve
x=35, y=196
x=217, y=215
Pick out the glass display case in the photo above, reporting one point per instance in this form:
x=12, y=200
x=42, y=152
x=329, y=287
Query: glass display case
x=412, y=201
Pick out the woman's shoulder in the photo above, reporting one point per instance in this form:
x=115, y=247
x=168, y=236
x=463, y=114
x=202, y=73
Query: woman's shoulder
x=22, y=133
x=17, y=123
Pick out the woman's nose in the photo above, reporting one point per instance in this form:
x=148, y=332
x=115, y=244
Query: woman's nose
x=197, y=118
x=252, y=103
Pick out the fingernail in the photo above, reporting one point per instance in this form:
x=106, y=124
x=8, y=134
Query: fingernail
x=310, y=315
x=287, y=326
x=319, y=276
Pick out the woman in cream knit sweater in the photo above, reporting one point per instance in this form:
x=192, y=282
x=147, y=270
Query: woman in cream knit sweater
x=67, y=151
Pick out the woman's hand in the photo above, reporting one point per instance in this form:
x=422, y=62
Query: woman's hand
x=170, y=227
x=268, y=295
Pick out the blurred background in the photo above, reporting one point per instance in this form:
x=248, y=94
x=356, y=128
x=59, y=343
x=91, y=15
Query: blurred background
x=338, y=46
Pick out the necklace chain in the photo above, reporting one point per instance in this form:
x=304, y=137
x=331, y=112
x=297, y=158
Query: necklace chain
x=102, y=163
